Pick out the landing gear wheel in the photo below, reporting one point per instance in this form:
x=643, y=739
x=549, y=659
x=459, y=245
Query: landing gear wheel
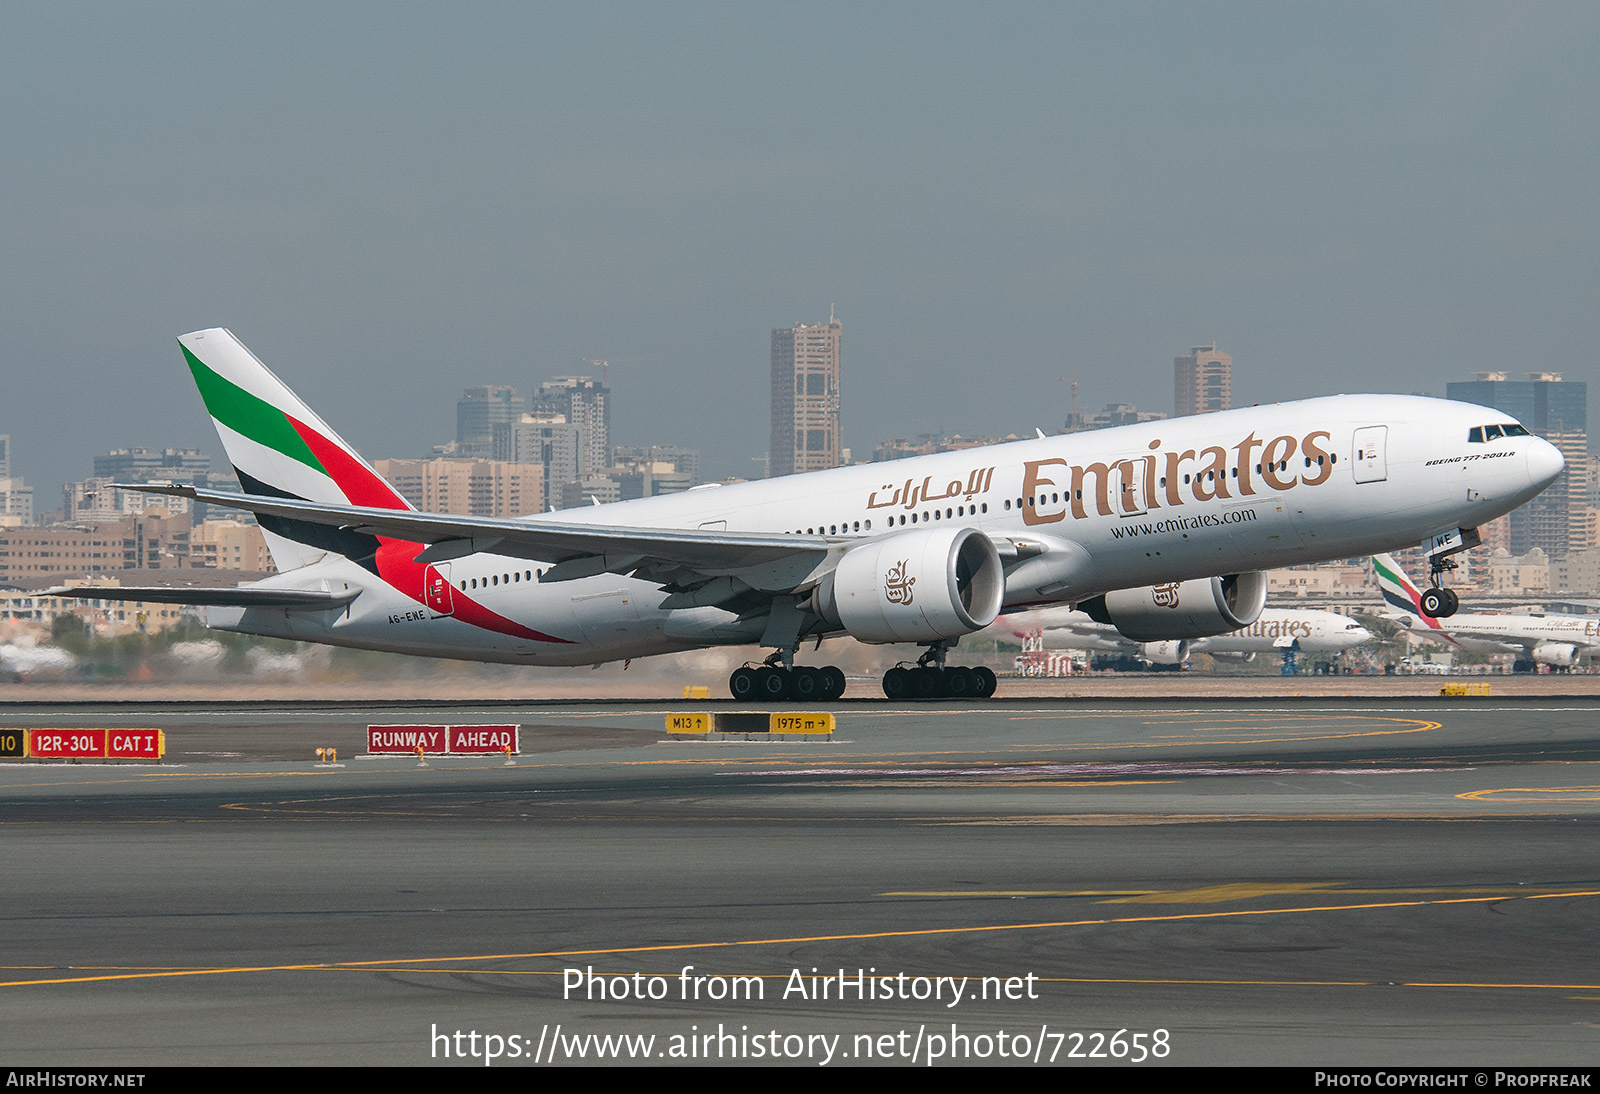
x=897, y=683
x=1440, y=603
x=742, y=684
x=772, y=684
x=986, y=682
x=832, y=683
x=960, y=683
x=927, y=683
x=806, y=685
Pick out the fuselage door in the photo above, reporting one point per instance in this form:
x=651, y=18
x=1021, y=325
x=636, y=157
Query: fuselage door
x=1371, y=462
x=436, y=592
x=1132, y=477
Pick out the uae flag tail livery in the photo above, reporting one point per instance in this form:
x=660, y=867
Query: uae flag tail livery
x=280, y=448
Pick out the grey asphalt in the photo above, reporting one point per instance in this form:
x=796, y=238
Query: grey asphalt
x=1291, y=883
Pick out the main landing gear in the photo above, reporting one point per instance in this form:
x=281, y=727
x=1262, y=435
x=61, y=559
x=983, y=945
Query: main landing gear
x=772, y=683
x=933, y=682
x=931, y=678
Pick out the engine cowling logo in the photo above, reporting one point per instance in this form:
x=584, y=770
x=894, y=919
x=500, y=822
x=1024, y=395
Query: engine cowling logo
x=1166, y=595
x=896, y=585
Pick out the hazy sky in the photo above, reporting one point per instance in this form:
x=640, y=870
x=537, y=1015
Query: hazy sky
x=388, y=202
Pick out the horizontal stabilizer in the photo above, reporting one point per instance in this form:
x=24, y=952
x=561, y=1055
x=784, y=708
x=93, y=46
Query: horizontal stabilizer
x=197, y=596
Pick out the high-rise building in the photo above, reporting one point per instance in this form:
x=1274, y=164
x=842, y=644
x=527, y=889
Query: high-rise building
x=586, y=403
x=16, y=496
x=548, y=440
x=805, y=398
x=478, y=411
x=1203, y=381
x=1557, y=410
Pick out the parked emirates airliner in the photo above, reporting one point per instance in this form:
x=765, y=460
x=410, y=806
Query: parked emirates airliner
x=1132, y=523
x=1275, y=630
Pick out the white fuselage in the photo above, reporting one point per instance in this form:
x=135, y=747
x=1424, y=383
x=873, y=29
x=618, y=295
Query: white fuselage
x=1275, y=630
x=1490, y=632
x=1165, y=501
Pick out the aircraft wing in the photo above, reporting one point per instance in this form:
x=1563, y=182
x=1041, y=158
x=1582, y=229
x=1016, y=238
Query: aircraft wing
x=670, y=555
x=199, y=596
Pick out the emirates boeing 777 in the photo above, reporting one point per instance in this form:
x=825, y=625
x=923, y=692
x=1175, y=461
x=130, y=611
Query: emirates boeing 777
x=1134, y=523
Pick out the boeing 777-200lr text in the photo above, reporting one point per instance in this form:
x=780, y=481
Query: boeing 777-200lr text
x=1135, y=523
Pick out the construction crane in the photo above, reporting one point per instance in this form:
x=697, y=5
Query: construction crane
x=605, y=364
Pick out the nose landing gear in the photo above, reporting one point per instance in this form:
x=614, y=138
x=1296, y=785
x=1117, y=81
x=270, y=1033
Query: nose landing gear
x=1439, y=602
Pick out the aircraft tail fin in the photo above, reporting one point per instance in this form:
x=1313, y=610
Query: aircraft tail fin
x=279, y=447
x=1398, y=590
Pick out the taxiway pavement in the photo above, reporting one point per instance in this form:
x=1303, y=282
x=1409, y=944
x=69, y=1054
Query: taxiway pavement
x=1311, y=882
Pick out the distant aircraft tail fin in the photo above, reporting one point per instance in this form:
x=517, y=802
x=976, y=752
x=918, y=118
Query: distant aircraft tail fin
x=279, y=447
x=1398, y=590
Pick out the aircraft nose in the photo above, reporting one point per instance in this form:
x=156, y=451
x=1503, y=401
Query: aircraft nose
x=1361, y=634
x=1545, y=462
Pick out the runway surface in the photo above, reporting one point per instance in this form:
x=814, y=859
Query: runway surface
x=1292, y=883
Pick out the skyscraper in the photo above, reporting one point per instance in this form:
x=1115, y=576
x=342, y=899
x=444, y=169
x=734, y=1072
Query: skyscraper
x=548, y=440
x=1558, y=411
x=16, y=496
x=479, y=410
x=805, y=398
x=584, y=402
x=1203, y=381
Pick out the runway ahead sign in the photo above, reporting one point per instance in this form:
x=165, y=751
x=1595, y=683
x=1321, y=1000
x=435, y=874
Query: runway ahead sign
x=473, y=740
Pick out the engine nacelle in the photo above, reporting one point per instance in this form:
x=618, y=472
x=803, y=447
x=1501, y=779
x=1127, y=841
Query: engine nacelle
x=915, y=586
x=1556, y=653
x=1165, y=653
x=1200, y=608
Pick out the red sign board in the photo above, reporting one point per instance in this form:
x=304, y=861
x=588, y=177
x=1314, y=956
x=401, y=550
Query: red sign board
x=97, y=744
x=478, y=740
x=135, y=744
x=67, y=744
x=405, y=739
x=441, y=740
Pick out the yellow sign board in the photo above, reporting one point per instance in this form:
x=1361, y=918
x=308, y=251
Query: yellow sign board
x=688, y=723
x=805, y=722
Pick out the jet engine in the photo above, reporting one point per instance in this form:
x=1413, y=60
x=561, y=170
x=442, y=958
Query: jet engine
x=1199, y=608
x=914, y=586
x=1556, y=653
x=1165, y=653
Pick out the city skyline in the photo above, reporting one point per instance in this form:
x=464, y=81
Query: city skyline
x=1354, y=198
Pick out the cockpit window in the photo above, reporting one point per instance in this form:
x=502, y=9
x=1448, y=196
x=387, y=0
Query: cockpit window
x=1480, y=434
